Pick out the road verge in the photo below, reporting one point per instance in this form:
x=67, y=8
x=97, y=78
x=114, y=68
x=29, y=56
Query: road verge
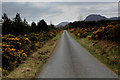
x=32, y=66
x=106, y=52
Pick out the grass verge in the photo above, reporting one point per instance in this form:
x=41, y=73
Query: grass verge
x=32, y=66
x=106, y=52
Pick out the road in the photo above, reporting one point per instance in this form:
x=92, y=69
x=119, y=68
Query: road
x=70, y=60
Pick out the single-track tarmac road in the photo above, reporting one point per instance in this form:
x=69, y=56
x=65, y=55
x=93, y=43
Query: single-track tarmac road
x=70, y=60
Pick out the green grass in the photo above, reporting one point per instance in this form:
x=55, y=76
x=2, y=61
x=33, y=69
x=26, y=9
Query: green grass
x=33, y=64
x=99, y=52
x=116, y=50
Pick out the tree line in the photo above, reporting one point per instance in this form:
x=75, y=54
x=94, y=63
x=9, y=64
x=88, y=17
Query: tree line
x=88, y=24
x=18, y=26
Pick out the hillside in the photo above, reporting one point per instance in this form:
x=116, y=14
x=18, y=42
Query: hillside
x=95, y=17
x=62, y=24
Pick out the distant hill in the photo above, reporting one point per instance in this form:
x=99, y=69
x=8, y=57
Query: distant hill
x=62, y=24
x=114, y=18
x=95, y=17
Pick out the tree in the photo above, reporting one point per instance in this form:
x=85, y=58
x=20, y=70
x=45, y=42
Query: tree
x=19, y=26
x=42, y=25
x=25, y=22
x=5, y=18
x=33, y=27
x=7, y=25
x=17, y=18
x=26, y=27
x=51, y=27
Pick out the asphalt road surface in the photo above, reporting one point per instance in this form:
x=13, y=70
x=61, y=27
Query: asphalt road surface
x=70, y=60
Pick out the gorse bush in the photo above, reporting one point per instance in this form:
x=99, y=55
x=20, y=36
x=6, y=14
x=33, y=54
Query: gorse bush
x=16, y=49
x=110, y=32
x=20, y=40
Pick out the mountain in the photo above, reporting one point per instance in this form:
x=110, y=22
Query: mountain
x=62, y=24
x=95, y=17
x=114, y=18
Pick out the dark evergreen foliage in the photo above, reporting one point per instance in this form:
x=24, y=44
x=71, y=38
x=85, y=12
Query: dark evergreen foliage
x=19, y=27
x=88, y=24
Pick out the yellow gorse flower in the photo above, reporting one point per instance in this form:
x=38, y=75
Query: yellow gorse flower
x=24, y=54
x=5, y=45
x=17, y=39
x=19, y=43
x=103, y=27
x=78, y=34
x=71, y=30
x=13, y=49
x=22, y=50
x=96, y=36
x=36, y=44
x=25, y=35
x=0, y=69
x=26, y=38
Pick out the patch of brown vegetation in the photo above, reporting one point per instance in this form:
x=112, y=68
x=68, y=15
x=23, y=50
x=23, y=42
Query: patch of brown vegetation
x=107, y=45
x=93, y=43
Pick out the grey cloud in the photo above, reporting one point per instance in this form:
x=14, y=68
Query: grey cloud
x=61, y=0
x=27, y=10
x=57, y=10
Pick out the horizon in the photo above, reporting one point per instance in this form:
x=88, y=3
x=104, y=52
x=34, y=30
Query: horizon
x=68, y=21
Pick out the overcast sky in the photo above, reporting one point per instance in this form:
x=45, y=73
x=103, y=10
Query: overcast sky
x=57, y=12
x=60, y=0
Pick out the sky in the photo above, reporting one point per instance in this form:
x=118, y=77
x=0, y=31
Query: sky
x=60, y=0
x=59, y=11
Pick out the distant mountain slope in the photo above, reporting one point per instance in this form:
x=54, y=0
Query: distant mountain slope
x=114, y=18
x=62, y=24
x=95, y=17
